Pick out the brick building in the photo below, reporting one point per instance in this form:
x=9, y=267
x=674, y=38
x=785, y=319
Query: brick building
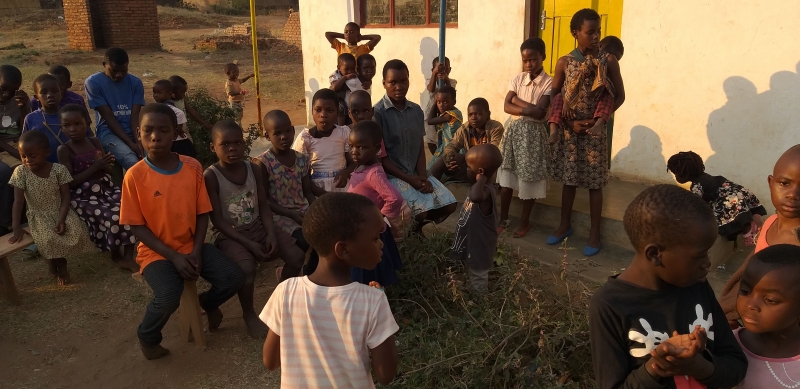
x=130, y=24
x=291, y=31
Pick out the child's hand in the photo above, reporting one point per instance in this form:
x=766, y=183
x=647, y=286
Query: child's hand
x=567, y=113
x=695, y=366
x=684, y=346
x=480, y=177
x=374, y=284
x=102, y=161
x=272, y=245
x=61, y=228
x=259, y=251
x=185, y=266
x=351, y=76
x=243, y=92
x=297, y=216
x=341, y=179
x=19, y=233
x=425, y=185
x=22, y=98
x=440, y=72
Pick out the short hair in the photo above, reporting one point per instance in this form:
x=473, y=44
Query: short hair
x=75, y=108
x=686, y=164
x=353, y=25
x=492, y=157
x=581, y=16
x=223, y=126
x=36, y=138
x=394, y=64
x=162, y=109
x=178, y=81
x=42, y=78
x=534, y=44
x=334, y=217
x=779, y=255
x=325, y=94
x=662, y=214
x=346, y=58
x=612, y=45
x=277, y=114
x=447, y=89
x=364, y=57
x=359, y=94
x=479, y=102
x=229, y=67
x=116, y=55
x=436, y=61
x=60, y=71
x=369, y=128
x=164, y=84
x=10, y=73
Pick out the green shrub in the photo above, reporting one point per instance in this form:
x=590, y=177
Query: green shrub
x=530, y=331
x=212, y=110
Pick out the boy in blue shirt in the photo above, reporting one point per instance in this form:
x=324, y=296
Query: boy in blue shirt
x=117, y=98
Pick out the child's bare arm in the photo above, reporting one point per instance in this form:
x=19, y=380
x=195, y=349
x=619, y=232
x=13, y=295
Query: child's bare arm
x=341, y=179
x=13, y=151
x=108, y=115
x=63, y=210
x=149, y=239
x=333, y=36
x=539, y=111
x=384, y=361
x=434, y=79
x=479, y=194
x=616, y=78
x=341, y=83
x=249, y=76
x=511, y=106
x=264, y=211
x=212, y=187
x=196, y=117
x=16, y=215
x=308, y=190
x=271, y=353
x=373, y=40
x=558, y=76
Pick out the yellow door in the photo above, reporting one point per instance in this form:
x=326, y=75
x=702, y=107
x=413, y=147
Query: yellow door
x=556, y=15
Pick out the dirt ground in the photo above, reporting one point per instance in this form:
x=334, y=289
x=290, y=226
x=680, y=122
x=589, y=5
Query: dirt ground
x=84, y=335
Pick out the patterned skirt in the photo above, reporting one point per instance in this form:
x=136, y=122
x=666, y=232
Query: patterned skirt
x=525, y=151
x=97, y=203
x=580, y=160
x=423, y=202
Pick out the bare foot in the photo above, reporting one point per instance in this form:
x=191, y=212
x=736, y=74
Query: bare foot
x=63, y=275
x=595, y=130
x=255, y=327
x=51, y=268
x=128, y=264
x=553, y=138
x=214, y=319
x=153, y=352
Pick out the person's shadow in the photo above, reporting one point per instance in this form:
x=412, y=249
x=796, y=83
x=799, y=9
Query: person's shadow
x=428, y=49
x=313, y=86
x=643, y=141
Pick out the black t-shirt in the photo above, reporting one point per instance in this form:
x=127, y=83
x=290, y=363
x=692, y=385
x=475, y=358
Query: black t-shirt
x=626, y=322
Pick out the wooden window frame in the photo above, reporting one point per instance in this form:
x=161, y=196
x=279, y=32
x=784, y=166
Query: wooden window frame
x=361, y=6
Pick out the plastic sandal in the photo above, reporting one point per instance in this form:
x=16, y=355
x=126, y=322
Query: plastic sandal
x=522, y=233
x=502, y=226
x=591, y=251
x=551, y=240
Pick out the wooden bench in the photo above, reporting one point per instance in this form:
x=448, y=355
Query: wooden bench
x=189, y=318
x=8, y=289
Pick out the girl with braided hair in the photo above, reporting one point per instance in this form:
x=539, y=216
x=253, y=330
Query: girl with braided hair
x=738, y=211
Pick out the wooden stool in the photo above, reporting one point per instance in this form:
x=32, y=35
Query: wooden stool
x=8, y=289
x=191, y=323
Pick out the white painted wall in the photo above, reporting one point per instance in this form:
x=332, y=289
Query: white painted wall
x=483, y=49
x=718, y=77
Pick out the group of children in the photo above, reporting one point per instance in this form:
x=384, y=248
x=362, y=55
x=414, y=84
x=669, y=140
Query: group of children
x=346, y=190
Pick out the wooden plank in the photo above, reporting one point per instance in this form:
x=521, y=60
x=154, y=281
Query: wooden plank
x=7, y=249
x=8, y=290
x=189, y=318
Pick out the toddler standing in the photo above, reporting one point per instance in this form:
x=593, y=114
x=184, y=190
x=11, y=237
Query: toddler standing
x=352, y=36
x=234, y=91
x=95, y=197
x=324, y=329
x=326, y=144
x=44, y=187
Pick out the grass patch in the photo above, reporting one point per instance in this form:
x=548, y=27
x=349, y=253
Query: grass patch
x=531, y=330
x=13, y=46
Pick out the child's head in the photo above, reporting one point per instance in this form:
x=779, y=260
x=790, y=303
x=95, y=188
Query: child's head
x=10, y=82
x=47, y=90
x=612, y=45
x=346, y=64
x=325, y=109
x=74, y=121
x=278, y=128
x=447, y=68
x=367, y=66
x=784, y=184
x=157, y=124
x=179, y=87
x=232, y=71
x=533, y=55
x=672, y=229
x=686, y=166
x=352, y=33
x=227, y=141
x=395, y=79
x=365, y=142
x=162, y=91
x=33, y=149
x=769, y=292
x=445, y=98
x=360, y=106
x=585, y=27
x=478, y=113
x=345, y=228
x=116, y=63
x=482, y=159
x=62, y=74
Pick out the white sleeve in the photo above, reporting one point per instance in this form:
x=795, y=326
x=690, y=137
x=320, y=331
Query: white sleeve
x=271, y=314
x=382, y=324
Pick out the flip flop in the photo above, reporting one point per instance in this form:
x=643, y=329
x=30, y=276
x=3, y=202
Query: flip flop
x=522, y=233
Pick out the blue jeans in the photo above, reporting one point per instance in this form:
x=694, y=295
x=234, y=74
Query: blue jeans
x=123, y=154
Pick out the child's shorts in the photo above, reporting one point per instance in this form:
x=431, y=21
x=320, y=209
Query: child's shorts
x=256, y=233
x=184, y=147
x=238, y=107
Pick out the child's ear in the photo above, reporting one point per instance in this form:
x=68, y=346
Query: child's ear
x=340, y=249
x=653, y=254
x=69, y=85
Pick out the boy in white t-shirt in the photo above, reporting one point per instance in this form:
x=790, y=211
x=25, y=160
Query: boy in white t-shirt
x=182, y=144
x=323, y=328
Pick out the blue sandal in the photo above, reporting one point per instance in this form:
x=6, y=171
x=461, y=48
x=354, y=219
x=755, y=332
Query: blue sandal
x=551, y=240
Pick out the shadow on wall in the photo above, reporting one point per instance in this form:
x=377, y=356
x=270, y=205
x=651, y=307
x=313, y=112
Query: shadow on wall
x=644, y=141
x=428, y=49
x=751, y=123
x=313, y=86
